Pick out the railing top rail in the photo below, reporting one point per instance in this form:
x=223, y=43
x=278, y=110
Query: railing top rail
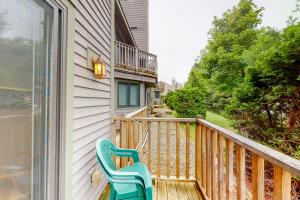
x=149, y=54
x=133, y=114
x=286, y=162
x=142, y=51
x=157, y=119
x=123, y=44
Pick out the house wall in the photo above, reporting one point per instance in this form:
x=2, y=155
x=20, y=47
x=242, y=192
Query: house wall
x=92, y=98
x=137, y=14
x=119, y=111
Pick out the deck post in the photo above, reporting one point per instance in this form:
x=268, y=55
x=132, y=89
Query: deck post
x=198, y=150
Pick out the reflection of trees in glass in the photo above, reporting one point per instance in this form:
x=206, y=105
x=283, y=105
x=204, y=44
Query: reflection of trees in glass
x=18, y=58
x=2, y=23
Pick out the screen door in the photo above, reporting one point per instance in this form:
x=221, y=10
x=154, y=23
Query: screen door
x=26, y=54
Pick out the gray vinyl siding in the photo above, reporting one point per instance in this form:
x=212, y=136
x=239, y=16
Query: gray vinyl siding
x=119, y=111
x=137, y=14
x=92, y=98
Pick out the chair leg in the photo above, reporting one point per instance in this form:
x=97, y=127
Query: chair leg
x=112, y=194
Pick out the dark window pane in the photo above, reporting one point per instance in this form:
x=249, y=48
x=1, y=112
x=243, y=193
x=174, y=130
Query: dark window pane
x=134, y=94
x=122, y=94
x=157, y=94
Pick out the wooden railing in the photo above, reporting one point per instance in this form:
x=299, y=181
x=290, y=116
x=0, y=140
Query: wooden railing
x=129, y=133
x=141, y=113
x=160, y=86
x=212, y=156
x=131, y=58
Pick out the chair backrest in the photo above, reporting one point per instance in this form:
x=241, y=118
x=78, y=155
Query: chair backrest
x=105, y=151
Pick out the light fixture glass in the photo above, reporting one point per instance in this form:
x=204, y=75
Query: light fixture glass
x=99, y=68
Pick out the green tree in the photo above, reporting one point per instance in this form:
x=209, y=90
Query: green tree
x=221, y=68
x=267, y=104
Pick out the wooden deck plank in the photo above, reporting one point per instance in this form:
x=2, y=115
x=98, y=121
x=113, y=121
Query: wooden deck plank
x=154, y=186
x=162, y=190
x=172, y=193
x=191, y=191
x=181, y=191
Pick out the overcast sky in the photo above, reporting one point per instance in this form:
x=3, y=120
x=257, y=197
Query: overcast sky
x=178, y=29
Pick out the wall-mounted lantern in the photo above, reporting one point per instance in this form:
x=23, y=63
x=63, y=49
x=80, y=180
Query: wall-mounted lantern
x=99, y=68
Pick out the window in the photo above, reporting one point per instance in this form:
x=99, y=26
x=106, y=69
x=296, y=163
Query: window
x=128, y=94
x=157, y=94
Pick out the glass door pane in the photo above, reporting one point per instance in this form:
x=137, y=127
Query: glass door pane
x=25, y=55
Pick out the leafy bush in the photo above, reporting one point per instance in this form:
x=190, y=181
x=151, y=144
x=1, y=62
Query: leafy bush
x=187, y=102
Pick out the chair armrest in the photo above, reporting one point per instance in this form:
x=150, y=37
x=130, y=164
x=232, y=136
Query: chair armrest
x=128, y=153
x=128, y=176
x=127, y=181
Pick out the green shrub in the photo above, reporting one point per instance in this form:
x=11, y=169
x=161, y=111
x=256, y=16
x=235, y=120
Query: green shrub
x=169, y=99
x=187, y=102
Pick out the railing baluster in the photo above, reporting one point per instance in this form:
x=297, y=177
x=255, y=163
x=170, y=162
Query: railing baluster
x=229, y=169
x=198, y=151
x=203, y=145
x=286, y=185
x=131, y=141
x=168, y=150
x=177, y=149
x=277, y=183
x=141, y=140
x=282, y=184
x=158, y=149
x=149, y=146
x=240, y=164
x=114, y=136
x=130, y=136
x=123, y=142
x=136, y=59
x=187, y=159
x=139, y=131
x=128, y=64
x=136, y=133
x=220, y=167
x=257, y=177
x=208, y=161
x=214, y=167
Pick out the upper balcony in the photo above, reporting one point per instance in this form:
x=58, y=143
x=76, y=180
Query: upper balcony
x=133, y=60
x=160, y=86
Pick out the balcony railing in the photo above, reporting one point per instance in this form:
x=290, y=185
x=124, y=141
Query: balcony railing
x=131, y=58
x=212, y=157
x=160, y=86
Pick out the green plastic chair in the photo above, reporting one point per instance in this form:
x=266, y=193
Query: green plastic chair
x=132, y=182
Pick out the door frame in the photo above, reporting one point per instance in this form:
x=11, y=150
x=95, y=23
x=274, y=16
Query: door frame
x=57, y=120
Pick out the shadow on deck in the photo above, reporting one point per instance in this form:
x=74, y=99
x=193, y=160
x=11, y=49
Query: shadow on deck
x=173, y=190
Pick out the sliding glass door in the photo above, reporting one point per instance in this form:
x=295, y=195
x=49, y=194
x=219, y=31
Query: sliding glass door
x=26, y=70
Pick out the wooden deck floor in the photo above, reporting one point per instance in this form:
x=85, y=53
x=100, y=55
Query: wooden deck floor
x=169, y=190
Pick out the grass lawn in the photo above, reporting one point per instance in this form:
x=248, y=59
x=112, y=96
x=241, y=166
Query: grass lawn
x=219, y=120
x=213, y=118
